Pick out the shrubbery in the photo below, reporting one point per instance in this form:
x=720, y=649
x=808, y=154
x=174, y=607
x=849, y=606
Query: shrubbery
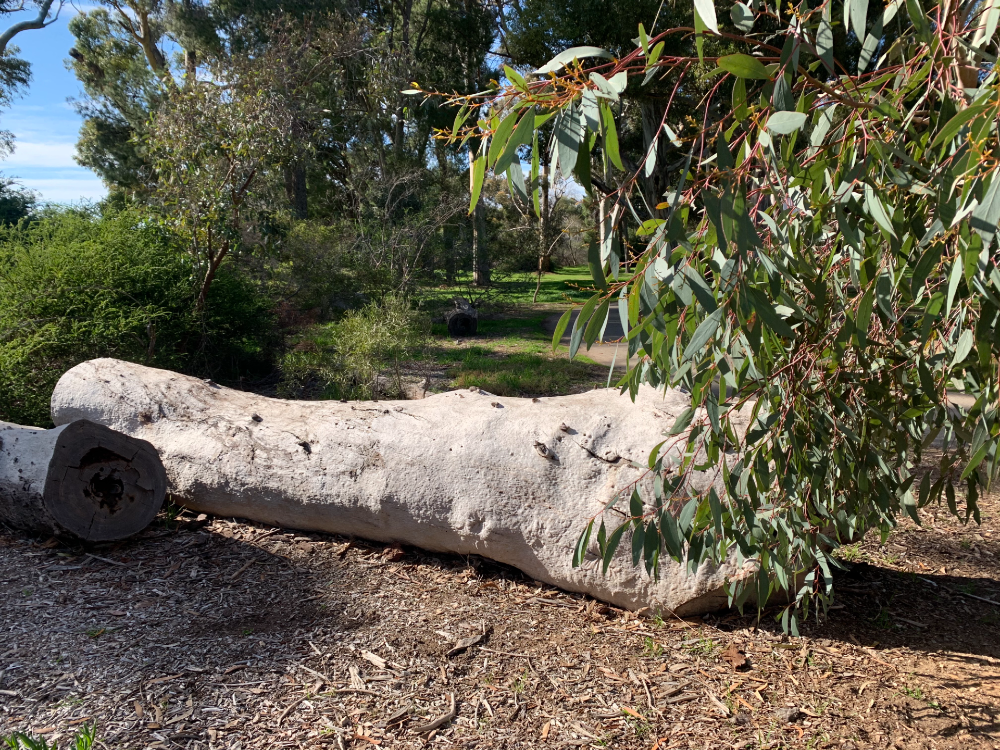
x=359, y=357
x=75, y=285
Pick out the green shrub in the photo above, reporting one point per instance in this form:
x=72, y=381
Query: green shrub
x=16, y=202
x=359, y=357
x=75, y=286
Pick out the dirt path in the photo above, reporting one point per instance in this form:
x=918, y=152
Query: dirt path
x=231, y=635
x=603, y=354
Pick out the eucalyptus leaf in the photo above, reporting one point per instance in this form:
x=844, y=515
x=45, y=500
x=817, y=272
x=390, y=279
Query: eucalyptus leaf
x=744, y=66
x=743, y=17
x=705, y=9
x=571, y=54
x=784, y=123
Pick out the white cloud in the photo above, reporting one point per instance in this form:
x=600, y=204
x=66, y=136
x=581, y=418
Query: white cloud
x=35, y=155
x=67, y=190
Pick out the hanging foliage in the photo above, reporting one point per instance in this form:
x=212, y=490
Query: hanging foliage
x=827, y=260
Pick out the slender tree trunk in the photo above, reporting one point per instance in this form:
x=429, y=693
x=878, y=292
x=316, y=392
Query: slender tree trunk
x=480, y=259
x=447, y=231
x=398, y=131
x=657, y=184
x=543, y=229
x=154, y=57
x=448, y=239
x=602, y=207
x=295, y=189
x=190, y=67
x=213, y=267
x=482, y=274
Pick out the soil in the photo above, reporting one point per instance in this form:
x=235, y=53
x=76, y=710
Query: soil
x=216, y=633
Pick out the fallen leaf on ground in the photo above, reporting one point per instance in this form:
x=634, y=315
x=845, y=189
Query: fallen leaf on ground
x=736, y=658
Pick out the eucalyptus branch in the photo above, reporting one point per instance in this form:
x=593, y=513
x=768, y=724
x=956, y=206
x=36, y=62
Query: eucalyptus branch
x=38, y=22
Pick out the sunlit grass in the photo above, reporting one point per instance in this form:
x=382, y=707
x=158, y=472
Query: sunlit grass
x=565, y=285
x=517, y=373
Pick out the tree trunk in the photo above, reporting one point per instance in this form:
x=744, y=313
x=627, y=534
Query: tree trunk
x=447, y=231
x=480, y=260
x=398, y=132
x=450, y=262
x=659, y=183
x=538, y=281
x=543, y=229
x=81, y=480
x=295, y=189
x=512, y=479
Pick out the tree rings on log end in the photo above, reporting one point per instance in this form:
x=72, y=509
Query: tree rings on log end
x=103, y=485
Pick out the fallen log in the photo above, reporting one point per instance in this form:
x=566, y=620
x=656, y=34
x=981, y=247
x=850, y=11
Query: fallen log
x=512, y=479
x=81, y=480
x=463, y=320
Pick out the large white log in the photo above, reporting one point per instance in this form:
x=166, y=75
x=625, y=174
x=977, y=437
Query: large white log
x=512, y=479
x=81, y=480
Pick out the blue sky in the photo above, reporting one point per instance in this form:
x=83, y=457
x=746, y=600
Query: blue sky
x=44, y=123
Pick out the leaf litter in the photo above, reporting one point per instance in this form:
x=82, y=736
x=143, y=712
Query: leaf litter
x=227, y=634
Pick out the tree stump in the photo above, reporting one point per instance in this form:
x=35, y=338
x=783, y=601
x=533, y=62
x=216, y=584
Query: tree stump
x=81, y=480
x=463, y=320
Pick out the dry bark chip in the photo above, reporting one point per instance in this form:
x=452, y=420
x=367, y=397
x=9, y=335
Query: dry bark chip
x=467, y=643
x=787, y=715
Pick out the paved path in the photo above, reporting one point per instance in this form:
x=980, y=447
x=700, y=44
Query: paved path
x=603, y=354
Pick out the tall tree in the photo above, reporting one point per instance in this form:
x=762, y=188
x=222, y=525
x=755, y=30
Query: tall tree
x=120, y=56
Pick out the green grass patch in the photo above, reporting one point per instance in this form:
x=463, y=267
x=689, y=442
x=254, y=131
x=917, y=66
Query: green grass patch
x=565, y=285
x=512, y=356
x=524, y=328
x=516, y=373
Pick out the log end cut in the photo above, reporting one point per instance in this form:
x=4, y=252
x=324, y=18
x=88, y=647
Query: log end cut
x=103, y=485
x=463, y=321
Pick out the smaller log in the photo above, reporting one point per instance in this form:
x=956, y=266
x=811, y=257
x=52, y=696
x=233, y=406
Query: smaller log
x=81, y=480
x=463, y=320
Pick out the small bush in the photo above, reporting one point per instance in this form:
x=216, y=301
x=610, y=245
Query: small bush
x=75, y=286
x=359, y=357
x=82, y=740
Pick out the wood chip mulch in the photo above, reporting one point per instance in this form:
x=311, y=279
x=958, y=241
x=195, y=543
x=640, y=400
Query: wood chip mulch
x=216, y=633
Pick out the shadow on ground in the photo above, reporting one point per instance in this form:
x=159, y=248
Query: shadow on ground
x=241, y=636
